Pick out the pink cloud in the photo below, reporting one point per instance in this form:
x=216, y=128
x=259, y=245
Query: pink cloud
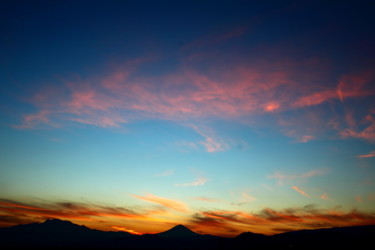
x=369, y=155
x=200, y=181
x=180, y=95
x=32, y=120
x=283, y=178
x=239, y=93
x=324, y=196
x=356, y=85
x=272, y=106
x=315, y=98
x=299, y=190
x=366, y=133
x=202, y=198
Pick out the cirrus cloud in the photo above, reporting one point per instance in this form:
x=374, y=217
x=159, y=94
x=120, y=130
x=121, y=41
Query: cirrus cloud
x=243, y=93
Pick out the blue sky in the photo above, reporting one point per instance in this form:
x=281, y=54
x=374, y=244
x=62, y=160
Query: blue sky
x=221, y=115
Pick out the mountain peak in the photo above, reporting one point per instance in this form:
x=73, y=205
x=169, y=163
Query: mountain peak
x=179, y=231
x=54, y=221
x=61, y=225
x=250, y=235
x=180, y=227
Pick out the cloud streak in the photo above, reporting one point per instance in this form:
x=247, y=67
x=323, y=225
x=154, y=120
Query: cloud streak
x=168, y=203
x=200, y=181
x=240, y=93
x=126, y=230
x=269, y=221
x=369, y=155
x=206, y=199
x=299, y=190
x=288, y=178
x=165, y=173
x=27, y=212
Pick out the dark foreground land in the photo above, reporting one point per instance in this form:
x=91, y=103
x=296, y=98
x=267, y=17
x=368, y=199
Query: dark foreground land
x=57, y=234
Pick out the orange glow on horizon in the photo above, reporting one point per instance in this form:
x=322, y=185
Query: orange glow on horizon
x=217, y=222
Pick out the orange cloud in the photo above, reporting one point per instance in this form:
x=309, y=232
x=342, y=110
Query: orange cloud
x=299, y=190
x=269, y=221
x=172, y=204
x=271, y=107
x=126, y=230
x=216, y=222
x=88, y=213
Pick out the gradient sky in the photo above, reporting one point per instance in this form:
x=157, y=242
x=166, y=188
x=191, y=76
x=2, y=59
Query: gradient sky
x=224, y=116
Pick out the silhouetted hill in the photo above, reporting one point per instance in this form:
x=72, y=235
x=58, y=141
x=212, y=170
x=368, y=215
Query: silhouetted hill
x=50, y=226
x=357, y=237
x=249, y=239
x=55, y=233
x=179, y=231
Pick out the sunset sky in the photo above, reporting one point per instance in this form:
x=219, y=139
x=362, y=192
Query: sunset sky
x=224, y=116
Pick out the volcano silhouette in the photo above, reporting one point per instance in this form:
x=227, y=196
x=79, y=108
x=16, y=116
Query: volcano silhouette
x=179, y=231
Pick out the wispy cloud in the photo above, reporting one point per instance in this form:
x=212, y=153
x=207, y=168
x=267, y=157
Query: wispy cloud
x=168, y=203
x=367, y=133
x=211, y=142
x=206, y=199
x=268, y=221
x=238, y=93
x=287, y=178
x=119, y=228
x=200, y=181
x=166, y=173
x=29, y=211
x=246, y=197
x=369, y=155
x=299, y=190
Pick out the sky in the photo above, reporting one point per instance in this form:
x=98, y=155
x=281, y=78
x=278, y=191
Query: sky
x=223, y=116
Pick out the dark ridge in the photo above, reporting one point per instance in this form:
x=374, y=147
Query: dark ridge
x=54, y=233
x=179, y=231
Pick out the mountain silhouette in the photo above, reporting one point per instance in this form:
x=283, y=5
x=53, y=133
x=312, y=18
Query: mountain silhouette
x=179, y=231
x=54, y=233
